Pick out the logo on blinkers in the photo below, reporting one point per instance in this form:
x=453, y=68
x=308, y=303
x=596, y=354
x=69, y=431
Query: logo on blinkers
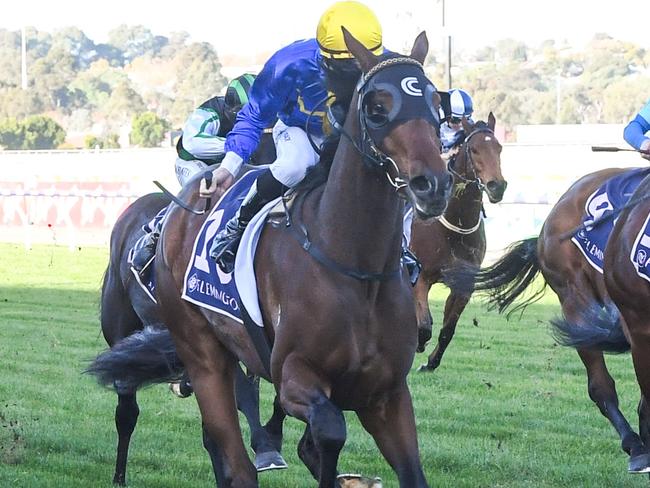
x=641, y=258
x=410, y=86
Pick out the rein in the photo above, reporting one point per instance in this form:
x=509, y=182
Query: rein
x=468, y=156
x=302, y=236
x=605, y=218
x=370, y=154
x=468, y=181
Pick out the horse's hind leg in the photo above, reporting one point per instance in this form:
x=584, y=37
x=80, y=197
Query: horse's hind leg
x=126, y=417
x=119, y=320
x=274, y=425
x=602, y=391
x=392, y=424
x=248, y=396
x=454, y=307
x=213, y=382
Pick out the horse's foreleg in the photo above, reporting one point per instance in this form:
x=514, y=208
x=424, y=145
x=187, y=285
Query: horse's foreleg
x=302, y=395
x=454, y=306
x=422, y=312
x=602, y=391
x=248, y=397
x=644, y=420
x=126, y=417
x=392, y=424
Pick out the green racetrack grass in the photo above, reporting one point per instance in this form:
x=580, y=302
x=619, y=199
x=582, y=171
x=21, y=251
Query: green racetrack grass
x=507, y=408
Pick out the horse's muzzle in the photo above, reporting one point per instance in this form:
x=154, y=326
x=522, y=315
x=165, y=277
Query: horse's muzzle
x=495, y=190
x=430, y=194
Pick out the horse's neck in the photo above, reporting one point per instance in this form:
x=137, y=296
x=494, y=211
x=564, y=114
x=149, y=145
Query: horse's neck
x=466, y=202
x=359, y=214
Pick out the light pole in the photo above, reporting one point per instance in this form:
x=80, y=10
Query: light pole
x=448, y=46
x=23, y=61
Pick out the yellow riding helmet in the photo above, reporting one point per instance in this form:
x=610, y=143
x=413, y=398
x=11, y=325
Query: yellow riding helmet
x=358, y=19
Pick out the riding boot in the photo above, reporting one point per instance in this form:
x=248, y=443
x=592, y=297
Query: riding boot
x=224, y=247
x=146, y=253
x=412, y=263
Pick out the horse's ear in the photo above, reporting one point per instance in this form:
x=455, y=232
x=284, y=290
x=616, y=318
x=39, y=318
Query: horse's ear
x=420, y=47
x=466, y=125
x=365, y=58
x=492, y=121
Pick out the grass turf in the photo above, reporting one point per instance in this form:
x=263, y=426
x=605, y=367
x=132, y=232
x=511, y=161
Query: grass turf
x=507, y=407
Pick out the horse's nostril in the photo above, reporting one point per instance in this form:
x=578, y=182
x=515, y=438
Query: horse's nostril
x=421, y=184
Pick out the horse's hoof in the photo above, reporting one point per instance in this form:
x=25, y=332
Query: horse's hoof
x=265, y=461
x=425, y=368
x=176, y=389
x=639, y=464
x=358, y=481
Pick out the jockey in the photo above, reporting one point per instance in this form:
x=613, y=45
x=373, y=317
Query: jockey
x=635, y=132
x=205, y=130
x=294, y=83
x=461, y=106
x=201, y=145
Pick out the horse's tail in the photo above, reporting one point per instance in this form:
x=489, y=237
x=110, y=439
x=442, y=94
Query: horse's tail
x=509, y=277
x=144, y=358
x=599, y=328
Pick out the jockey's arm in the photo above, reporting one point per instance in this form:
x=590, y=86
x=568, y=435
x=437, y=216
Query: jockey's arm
x=268, y=96
x=200, y=137
x=634, y=133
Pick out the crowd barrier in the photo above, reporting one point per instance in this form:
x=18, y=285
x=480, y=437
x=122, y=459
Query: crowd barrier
x=73, y=198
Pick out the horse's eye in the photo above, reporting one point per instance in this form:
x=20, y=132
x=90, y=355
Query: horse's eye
x=376, y=114
x=473, y=149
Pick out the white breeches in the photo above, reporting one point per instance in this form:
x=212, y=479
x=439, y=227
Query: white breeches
x=294, y=154
x=186, y=169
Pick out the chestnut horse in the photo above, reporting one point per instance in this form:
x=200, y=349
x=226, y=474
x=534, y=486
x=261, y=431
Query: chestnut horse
x=338, y=310
x=631, y=294
x=458, y=236
x=126, y=309
x=578, y=286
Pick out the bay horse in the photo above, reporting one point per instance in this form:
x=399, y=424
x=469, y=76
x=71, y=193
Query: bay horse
x=458, y=236
x=578, y=286
x=126, y=309
x=342, y=325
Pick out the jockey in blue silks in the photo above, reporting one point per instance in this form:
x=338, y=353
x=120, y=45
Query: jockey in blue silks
x=461, y=105
x=635, y=132
x=294, y=83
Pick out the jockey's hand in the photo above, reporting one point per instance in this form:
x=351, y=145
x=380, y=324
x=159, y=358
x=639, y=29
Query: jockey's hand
x=222, y=179
x=645, y=149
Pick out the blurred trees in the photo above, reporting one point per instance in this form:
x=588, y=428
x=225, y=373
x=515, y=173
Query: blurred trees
x=86, y=86
x=34, y=132
x=148, y=130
